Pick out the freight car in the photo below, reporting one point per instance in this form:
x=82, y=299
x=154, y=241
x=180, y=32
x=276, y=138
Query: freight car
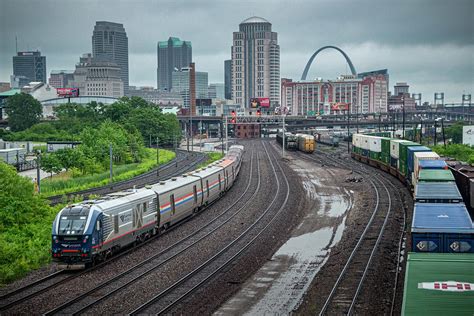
x=464, y=176
x=92, y=230
x=291, y=141
x=326, y=139
x=306, y=143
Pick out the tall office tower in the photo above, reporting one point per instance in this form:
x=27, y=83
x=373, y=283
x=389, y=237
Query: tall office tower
x=228, y=79
x=172, y=55
x=216, y=91
x=183, y=82
x=110, y=42
x=30, y=65
x=255, y=62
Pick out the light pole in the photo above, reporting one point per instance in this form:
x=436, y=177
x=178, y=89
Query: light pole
x=403, y=118
x=38, y=166
x=157, y=158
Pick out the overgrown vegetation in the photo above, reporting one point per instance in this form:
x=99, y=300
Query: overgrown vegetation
x=456, y=151
x=211, y=157
x=72, y=181
x=25, y=226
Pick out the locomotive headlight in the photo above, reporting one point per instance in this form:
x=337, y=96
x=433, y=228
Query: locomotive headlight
x=85, y=239
x=56, y=240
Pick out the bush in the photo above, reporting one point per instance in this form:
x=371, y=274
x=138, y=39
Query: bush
x=457, y=151
x=25, y=226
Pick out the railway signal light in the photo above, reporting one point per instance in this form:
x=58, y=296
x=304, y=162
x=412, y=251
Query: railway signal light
x=258, y=112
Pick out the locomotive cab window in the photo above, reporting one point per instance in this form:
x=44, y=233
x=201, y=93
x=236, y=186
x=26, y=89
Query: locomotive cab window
x=72, y=225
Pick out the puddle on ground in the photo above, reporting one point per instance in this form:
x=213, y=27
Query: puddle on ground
x=278, y=286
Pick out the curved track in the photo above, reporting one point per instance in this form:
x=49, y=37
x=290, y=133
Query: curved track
x=346, y=290
x=175, y=294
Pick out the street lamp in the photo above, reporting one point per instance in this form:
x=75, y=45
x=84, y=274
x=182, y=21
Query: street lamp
x=403, y=111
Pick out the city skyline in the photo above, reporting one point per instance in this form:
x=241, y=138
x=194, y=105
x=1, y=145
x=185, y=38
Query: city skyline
x=428, y=44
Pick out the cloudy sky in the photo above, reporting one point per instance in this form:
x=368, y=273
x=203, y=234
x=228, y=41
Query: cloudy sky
x=427, y=43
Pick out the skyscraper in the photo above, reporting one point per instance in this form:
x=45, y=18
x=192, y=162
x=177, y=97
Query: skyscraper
x=110, y=42
x=228, y=79
x=255, y=62
x=172, y=55
x=182, y=84
x=30, y=65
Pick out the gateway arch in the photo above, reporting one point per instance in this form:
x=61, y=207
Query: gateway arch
x=308, y=65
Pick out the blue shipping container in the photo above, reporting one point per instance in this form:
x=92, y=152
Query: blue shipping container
x=438, y=227
x=432, y=164
x=437, y=192
x=411, y=157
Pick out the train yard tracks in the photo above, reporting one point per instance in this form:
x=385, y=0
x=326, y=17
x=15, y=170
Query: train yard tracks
x=161, y=275
x=183, y=163
x=344, y=296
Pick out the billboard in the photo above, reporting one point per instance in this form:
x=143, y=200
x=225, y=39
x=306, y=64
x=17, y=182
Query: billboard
x=468, y=135
x=340, y=106
x=68, y=92
x=259, y=102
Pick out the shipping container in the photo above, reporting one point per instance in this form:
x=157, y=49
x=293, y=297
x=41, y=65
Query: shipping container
x=394, y=162
x=386, y=146
x=442, y=227
x=403, y=156
x=439, y=284
x=437, y=192
x=375, y=144
x=435, y=175
x=394, y=147
x=423, y=156
x=411, y=156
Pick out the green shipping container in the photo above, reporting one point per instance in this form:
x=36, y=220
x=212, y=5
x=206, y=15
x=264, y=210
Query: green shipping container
x=374, y=155
x=403, y=152
x=435, y=175
x=386, y=145
x=439, y=284
x=385, y=158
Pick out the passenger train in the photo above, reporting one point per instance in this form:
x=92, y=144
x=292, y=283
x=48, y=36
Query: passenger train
x=92, y=230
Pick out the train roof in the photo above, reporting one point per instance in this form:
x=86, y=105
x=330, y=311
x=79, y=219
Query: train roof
x=174, y=182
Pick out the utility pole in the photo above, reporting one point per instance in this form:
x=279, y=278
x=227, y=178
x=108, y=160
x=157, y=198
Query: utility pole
x=157, y=158
x=111, y=163
x=435, y=134
x=175, y=151
x=421, y=131
x=283, y=135
x=403, y=118
x=200, y=136
x=442, y=130
x=38, y=166
x=226, y=135
x=348, y=132
x=222, y=134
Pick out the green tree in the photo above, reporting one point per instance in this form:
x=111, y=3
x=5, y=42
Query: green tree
x=50, y=163
x=70, y=158
x=23, y=111
x=455, y=132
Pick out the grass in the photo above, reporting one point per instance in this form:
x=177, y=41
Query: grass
x=457, y=151
x=65, y=183
x=211, y=157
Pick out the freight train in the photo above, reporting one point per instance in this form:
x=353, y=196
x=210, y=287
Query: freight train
x=438, y=276
x=301, y=142
x=291, y=141
x=434, y=187
x=93, y=230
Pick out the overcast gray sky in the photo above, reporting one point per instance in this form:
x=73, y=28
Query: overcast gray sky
x=429, y=43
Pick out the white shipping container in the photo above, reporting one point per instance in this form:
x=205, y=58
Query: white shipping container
x=429, y=155
x=375, y=144
x=364, y=142
x=394, y=147
x=12, y=155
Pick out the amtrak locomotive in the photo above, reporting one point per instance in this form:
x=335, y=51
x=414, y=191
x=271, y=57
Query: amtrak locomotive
x=95, y=229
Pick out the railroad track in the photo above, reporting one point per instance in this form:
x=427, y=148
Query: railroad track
x=176, y=293
x=181, y=164
x=50, y=282
x=120, y=282
x=344, y=294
